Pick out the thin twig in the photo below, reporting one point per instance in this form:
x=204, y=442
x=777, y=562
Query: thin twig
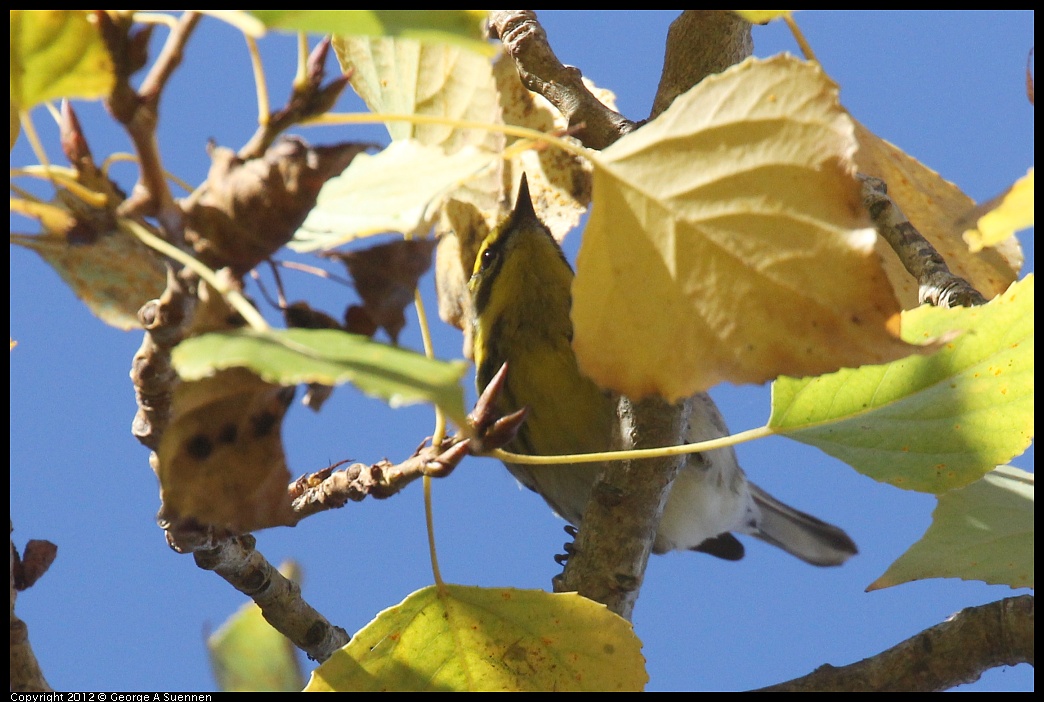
x=139, y=113
x=282, y=605
x=596, y=126
x=936, y=284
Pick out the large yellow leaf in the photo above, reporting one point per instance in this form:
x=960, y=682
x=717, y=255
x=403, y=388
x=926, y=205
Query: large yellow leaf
x=55, y=54
x=937, y=208
x=488, y=639
x=728, y=242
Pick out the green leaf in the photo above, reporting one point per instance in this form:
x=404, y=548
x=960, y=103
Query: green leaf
x=462, y=27
x=928, y=423
x=56, y=54
x=248, y=655
x=488, y=639
x=980, y=532
x=329, y=357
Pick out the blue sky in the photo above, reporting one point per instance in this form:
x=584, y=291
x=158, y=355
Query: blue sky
x=121, y=611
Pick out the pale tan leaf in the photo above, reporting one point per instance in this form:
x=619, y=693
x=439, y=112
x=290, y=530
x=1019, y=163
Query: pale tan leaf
x=404, y=76
x=397, y=190
x=559, y=182
x=221, y=459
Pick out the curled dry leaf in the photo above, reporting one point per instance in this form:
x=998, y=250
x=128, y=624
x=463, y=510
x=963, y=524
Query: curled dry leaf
x=386, y=276
x=106, y=267
x=33, y=563
x=221, y=459
x=248, y=209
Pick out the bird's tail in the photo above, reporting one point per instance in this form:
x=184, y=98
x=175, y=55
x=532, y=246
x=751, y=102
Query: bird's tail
x=802, y=535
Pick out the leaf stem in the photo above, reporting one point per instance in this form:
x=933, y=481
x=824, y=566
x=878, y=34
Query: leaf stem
x=264, y=111
x=235, y=298
x=437, y=436
x=337, y=118
x=698, y=447
x=799, y=37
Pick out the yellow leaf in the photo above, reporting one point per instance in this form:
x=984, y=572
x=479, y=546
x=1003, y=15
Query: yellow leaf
x=56, y=54
x=762, y=16
x=936, y=208
x=397, y=190
x=488, y=639
x=403, y=76
x=16, y=125
x=1012, y=213
x=728, y=242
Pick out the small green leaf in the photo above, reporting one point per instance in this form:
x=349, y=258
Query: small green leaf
x=488, y=639
x=980, y=532
x=928, y=423
x=56, y=54
x=463, y=27
x=248, y=655
x=329, y=357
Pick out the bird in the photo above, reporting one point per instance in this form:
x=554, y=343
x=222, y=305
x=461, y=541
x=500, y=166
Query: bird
x=520, y=291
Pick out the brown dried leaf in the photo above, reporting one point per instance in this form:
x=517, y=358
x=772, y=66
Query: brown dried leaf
x=112, y=272
x=247, y=210
x=221, y=459
x=465, y=228
x=386, y=276
x=34, y=562
x=559, y=182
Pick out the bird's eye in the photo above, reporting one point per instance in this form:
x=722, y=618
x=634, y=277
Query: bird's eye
x=487, y=259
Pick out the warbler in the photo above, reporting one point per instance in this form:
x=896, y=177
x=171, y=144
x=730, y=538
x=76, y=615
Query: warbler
x=520, y=290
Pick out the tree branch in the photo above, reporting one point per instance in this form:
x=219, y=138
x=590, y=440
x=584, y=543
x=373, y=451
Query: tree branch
x=612, y=547
x=25, y=671
x=936, y=284
x=242, y=566
x=594, y=124
x=308, y=99
x=138, y=111
x=700, y=43
x=955, y=652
